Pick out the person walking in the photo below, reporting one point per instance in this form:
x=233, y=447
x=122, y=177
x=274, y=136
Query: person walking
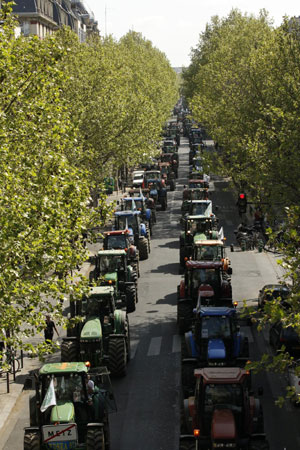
x=49, y=330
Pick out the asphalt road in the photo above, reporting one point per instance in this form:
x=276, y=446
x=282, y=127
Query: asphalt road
x=148, y=397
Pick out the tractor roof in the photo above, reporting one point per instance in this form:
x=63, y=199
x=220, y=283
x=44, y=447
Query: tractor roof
x=203, y=264
x=221, y=375
x=116, y=232
x=210, y=242
x=127, y=199
x=152, y=171
x=101, y=290
x=199, y=217
x=127, y=213
x=217, y=311
x=63, y=367
x=113, y=252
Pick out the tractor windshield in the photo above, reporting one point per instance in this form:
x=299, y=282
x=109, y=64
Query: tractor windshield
x=67, y=387
x=205, y=276
x=97, y=305
x=208, y=253
x=126, y=221
x=116, y=241
x=110, y=263
x=197, y=226
x=200, y=209
x=230, y=395
x=214, y=327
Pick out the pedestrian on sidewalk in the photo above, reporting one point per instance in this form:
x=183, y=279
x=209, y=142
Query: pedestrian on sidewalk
x=49, y=330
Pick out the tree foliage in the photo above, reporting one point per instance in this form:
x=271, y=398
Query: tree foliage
x=243, y=85
x=70, y=114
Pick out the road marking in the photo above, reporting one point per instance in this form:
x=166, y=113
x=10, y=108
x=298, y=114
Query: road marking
x=133, y=347
x=176, y=346
x=154, y=348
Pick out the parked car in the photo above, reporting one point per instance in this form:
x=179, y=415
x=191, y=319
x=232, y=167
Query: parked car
x=272, y=292
x=288, y=337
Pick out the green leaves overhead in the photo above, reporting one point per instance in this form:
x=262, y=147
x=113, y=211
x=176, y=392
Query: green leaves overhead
x=70, y=115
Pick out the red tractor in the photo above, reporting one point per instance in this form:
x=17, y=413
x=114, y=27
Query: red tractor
x=223, y=413
x=205, y=283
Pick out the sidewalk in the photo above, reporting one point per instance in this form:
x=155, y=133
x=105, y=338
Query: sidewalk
x=9, y=400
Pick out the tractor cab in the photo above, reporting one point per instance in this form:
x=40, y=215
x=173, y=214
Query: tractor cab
x=209, y=250
x=119, y=239
x=130, y=220
x=112, y=266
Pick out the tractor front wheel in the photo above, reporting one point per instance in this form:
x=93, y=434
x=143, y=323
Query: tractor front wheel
x=95, y=439
x=32, y=441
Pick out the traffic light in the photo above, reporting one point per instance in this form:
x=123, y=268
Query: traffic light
x=242, y=203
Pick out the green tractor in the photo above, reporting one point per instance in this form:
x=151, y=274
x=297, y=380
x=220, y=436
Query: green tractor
x=112, y=268
x=196, y=228
x=103, y=337
x=70, y=408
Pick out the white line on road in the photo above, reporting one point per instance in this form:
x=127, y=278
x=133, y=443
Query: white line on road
x=154, y=348
x=176, y=347
x=133, y=347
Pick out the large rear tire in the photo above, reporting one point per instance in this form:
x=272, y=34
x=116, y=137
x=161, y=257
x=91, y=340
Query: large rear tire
x=117, y=356
x=32, y=441
x=95, y=439
x=143, y=249
x=127, y=335
x=69, y=351
x=130, y=298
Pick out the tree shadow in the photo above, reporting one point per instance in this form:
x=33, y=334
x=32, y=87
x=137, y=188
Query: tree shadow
x=171, y=268
x=172, y=244
x=170, y=299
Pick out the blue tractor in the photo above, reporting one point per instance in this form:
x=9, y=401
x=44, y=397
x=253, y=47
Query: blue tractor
x=139, y=203
x=138, y=230
x=215, y=341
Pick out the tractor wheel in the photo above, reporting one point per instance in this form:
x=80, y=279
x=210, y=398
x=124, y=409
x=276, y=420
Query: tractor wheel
x=117, y=356
x=143, y=248
x=69, y=351
x=127, y=337
x=130, y=298
x=95, y=439
x=184, y=317
x=32, y=441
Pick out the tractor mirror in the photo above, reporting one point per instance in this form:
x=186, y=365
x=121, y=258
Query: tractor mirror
x=229, y=270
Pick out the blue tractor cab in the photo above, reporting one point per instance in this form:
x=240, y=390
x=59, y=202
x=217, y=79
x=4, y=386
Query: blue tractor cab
x=214, y=341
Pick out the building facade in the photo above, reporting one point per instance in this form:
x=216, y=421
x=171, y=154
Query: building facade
x=42, y=17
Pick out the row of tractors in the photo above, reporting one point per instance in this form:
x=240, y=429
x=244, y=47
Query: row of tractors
x=218, y=406
x=73, y=398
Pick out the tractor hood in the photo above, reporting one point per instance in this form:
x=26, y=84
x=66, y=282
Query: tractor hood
x=111, y=276
x=216, y=349
x=91, y=329
x=223, y=426
x=63, y=411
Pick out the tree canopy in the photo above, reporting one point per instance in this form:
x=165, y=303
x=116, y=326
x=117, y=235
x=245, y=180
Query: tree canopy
x=70, y=115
